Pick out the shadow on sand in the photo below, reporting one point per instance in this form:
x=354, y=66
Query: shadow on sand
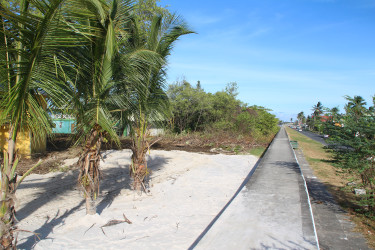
x=114, y=180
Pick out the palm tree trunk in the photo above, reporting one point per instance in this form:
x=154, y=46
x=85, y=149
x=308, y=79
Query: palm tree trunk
x=7, y=210
x=89, y=163
x=90, y=206
x=138, y=169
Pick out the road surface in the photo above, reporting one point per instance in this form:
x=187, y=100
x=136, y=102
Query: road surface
x=316, y=137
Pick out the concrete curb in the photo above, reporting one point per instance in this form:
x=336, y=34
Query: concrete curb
x=308, y=196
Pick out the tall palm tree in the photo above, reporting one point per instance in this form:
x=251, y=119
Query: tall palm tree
x=318, y=109
x=31, y=43
x=334, y=113
x=355, y=106
x=151, y=100
x=317, y=112
x=301, y=117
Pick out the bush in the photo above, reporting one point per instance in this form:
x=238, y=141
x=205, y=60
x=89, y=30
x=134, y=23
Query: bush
x=195, y=110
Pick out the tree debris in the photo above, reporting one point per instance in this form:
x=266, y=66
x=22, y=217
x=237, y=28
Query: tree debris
x=89, y=228
x=115, y=222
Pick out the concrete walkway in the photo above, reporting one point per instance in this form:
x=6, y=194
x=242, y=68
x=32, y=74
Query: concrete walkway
x=270, y=211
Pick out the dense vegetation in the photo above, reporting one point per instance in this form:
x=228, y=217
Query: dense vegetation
x=352, y=142
x=193, y=110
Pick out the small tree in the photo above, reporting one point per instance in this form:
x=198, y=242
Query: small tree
x=106, y=66
x=149, y=98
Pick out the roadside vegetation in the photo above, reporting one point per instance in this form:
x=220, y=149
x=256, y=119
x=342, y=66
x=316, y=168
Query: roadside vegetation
x=220, y=114
x=336, y=180
x=347, y=164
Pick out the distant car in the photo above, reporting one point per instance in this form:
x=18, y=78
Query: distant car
x=325, y=136
x=300, y=130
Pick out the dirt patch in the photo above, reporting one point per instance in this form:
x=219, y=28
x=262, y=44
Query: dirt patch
x=58, y=149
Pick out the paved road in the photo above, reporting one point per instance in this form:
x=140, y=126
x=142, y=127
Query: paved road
x=270, y=212
x=316, y=137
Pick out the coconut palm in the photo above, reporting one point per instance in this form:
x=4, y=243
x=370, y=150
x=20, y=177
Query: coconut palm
x=317, y=112
x=355, y=106
x=150, y=100
x=301, y=117
x=92, y=91
x=318, y=109
x=30, y=43
x=334, y=112
x=107, y=67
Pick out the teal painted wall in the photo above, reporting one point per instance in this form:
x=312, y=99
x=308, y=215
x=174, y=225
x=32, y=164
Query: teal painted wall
x=63, y=126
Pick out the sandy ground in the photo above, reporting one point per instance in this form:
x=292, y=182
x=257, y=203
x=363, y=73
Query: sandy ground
x=187, y=190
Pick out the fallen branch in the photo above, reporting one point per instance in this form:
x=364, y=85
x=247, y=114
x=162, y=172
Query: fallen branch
x=89, y=228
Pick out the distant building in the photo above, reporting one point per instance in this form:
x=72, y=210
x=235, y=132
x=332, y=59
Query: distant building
x=63, y=124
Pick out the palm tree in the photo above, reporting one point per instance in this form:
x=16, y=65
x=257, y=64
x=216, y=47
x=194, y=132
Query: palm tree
x=30, y=43
x=92, y=91
x=355, y=106
x=107, y=68
x=301, y=117
x=318, y=109
x=151, y=101
x=334, y=112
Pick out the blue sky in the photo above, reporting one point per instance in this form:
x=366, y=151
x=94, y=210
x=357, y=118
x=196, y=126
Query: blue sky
x=285, y=55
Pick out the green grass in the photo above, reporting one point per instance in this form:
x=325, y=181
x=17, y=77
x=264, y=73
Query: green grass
x=257, y=151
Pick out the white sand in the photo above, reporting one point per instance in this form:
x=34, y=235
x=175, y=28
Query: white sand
x=187, y=190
